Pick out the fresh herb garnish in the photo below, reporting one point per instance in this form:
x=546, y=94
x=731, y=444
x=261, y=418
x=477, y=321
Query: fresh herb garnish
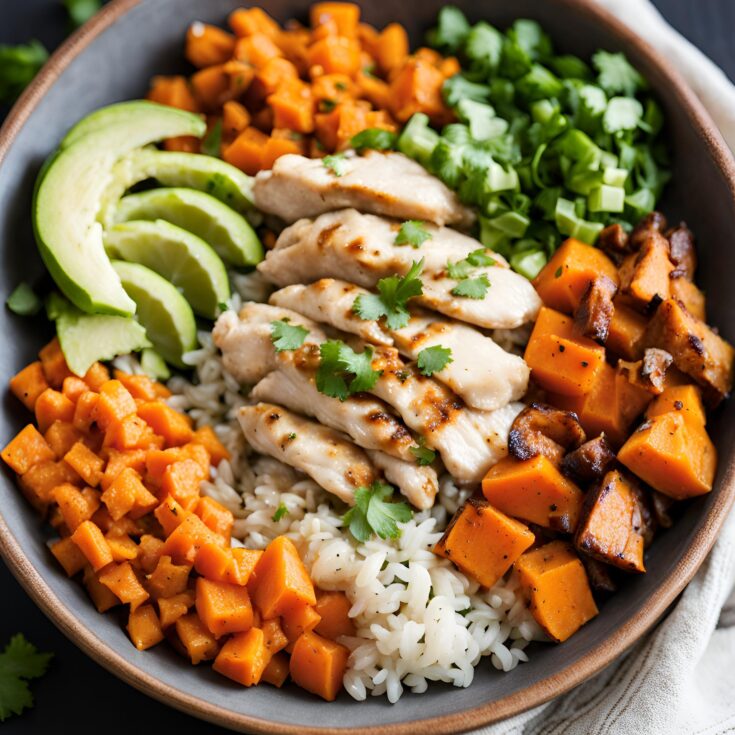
x=18, y=65
x=392, y=298
x=616, y=75
x=472, y=288
x=413, y=233
x=80, y=11
x=23, y=301
x=342, y=371
x=336, y=163
x=19, y=663
x=327, y=105
x=480, y=258
x=374, y=513
x=376, y=139
x=433, y=359
x=287, y=336
x=281, y=511
x=212, y=142
x=424, y=455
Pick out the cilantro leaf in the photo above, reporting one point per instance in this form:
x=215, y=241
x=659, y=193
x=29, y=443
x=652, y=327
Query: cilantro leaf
x=377, y=139
x=424, y=455
x=213, y=140
x=451, y=31
x=287, y=336
x=622, y=113
x=18, y=65
x=336, y=163
x=433, y=359
x=480, y=258
x=616, y=75
x=374, y=513
x=281, y=511
x=23, y=301
x=459, y=270
x=80, y=11
x=413, y=233
x=19, y=662
x=342, y=371
x=393, y=295
x=472, y=288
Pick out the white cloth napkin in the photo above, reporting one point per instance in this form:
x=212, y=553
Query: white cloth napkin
x=680, y=679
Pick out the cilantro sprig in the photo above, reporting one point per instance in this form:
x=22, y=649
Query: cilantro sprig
x=342, y=371
x=20, y=662
x=433, y=360
x=413, y=233
x=281, y=511
x=377, y=139
x=287, y=336
x=336, y=163
x=394, y=293
x=375, y=513
x=424, y=456
x=472, y=288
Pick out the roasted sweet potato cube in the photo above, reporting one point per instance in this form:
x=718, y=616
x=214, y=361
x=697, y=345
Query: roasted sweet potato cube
x=318, y=665
x=483, y=542
x=121, y=580
x=686, y=399
x=222, y=607
x=543, y=429
x=28, y=384
x=244, y=657
x=672, y=455
x=535, y=491
x=102, y=597
x=243, y=565
x=167, y=579
x=687, y=293
x=697, y=350
x=595, y=311
x=170, y=609
x=589, y=462
x=275, y=638
x=276, y=672
x=27, y=448
x=626, y=331
x=644, y=276
x=85, y=463
x=334, y=609
x=556, y=585
x=611, y=525
x=198, y=642
x=68, y=554
x=144, y=628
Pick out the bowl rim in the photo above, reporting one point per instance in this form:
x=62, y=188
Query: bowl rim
x=492, y=711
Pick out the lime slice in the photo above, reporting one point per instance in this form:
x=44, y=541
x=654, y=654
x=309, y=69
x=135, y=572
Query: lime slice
x=225, y=230
x=192, y=170
x=177, y=255
x=153, y=365
x=167, y=317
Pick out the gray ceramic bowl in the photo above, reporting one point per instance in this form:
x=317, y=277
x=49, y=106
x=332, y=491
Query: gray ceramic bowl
x=112, y=59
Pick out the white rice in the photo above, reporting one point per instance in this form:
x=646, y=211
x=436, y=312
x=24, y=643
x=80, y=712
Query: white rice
x=417, y=618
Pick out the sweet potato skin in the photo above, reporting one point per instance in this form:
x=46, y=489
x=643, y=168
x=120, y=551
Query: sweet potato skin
x=590, y=461
x=543, y=429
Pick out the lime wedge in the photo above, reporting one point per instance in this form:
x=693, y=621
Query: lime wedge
x=153, y=365
x=167, y=317
x=192, y=170
x=177, y=255
x=228, y=232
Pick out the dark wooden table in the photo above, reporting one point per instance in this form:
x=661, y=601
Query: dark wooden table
x=76, y=695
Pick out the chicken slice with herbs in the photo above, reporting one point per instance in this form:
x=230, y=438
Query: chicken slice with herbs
x=323, y=454
x=246, y=340
x=383, y=183
x=418, y=484
x=459, y=277
x=483, y=374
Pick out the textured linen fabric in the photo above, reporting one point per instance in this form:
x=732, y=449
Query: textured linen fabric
x=680, y=678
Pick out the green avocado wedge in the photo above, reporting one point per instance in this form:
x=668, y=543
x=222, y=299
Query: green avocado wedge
x=180, y=257
x=191, y=170
x=69, y=193
x=228, y=232
x=164, y=313
x=86, y=338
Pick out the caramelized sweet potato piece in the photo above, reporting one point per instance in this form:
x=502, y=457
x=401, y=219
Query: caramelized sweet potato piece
x=595, y=311
x=682, y=252
x=644, y=276
x=483, y=542
x=696, y=349
x=613, y=241
x=661, y=506
x=686, y=399
x=542, y=429
x=653, y=222
x=589, y=462
x=689, y=295
x=650, y=372
x=555, y=583
x=600, y=575
x=611, y=523
x=626, y=331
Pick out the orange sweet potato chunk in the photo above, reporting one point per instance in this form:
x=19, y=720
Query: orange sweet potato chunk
x=244, y=657
x=686, y=399
x=276, y=672
x=275, y=638
x=556, y=585
x=167, y=579
x=318, y=665
x=144, y=627
x=102, y=597
x=27, y=448
x=243, y=565
x=76, y=507
x=626, y=332
x=173, y=426
x=170, y=609
x=28, y=384
x=534, y=490
x=68, y=554
x=85, y=463
x=298, y=620
x=121, y=580
x=93, y=545
x=223, y=608
x=198, y=642
x=52, y=406
x=333, y=608
x=483, y=542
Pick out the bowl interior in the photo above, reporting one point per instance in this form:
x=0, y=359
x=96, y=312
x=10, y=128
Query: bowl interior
x=117, y=65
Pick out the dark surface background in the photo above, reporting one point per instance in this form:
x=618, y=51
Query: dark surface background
x=76, y=694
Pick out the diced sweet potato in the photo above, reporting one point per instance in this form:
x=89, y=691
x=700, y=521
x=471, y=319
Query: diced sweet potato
x=535, y=491
x=173, y=426
x=672, y=455
x=208, y=439
x=85, y=463
x=686, y=399
x=181, y=481
x=52, y=406
x=27, y=448
x=275, y=638
x=28, y=384
x=568, y=274
x=62, y=436
x=318, y=665
x=280, y=581
x=170, y=609
x=117, y=461
x=593, y=315
x=244, y=657
x=123, y=548
x=333, y=608
x=644, y=276
x=223, y=608
x=167, y=579
x=696, y=349
x=243, y=565
x=626, y=332
x=483, y=542
x=144, y=628
x=85, y=410
x=96, y=376
x=611, y=525
x=114, y=404
x=149, y=552
x=125, y=493
x=121, y=580
x=589, y=462
x=75, y=506
x=556, y=585
x=170, y=515
x=276, y=672
x=215, y=516
x=298, y=620
x=102, y=597
x=39, y=482
x=199, y=643
x=542, y=429
x=214, y=562
x=54, y=364
x=93, y=545
x=560, y=361
x=67, y=553
x=207, y=45
x=73, y=387
x=187, y=538
x=687, y=293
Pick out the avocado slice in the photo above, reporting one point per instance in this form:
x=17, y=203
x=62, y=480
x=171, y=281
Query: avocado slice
x=191, y=170
x=87, y=338
x=69, y=194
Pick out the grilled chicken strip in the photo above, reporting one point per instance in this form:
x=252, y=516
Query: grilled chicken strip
x=382, y=183
x=483, y=374
x=418, y=484
x=361, y=248
x=245, y=339
x=325, y=455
